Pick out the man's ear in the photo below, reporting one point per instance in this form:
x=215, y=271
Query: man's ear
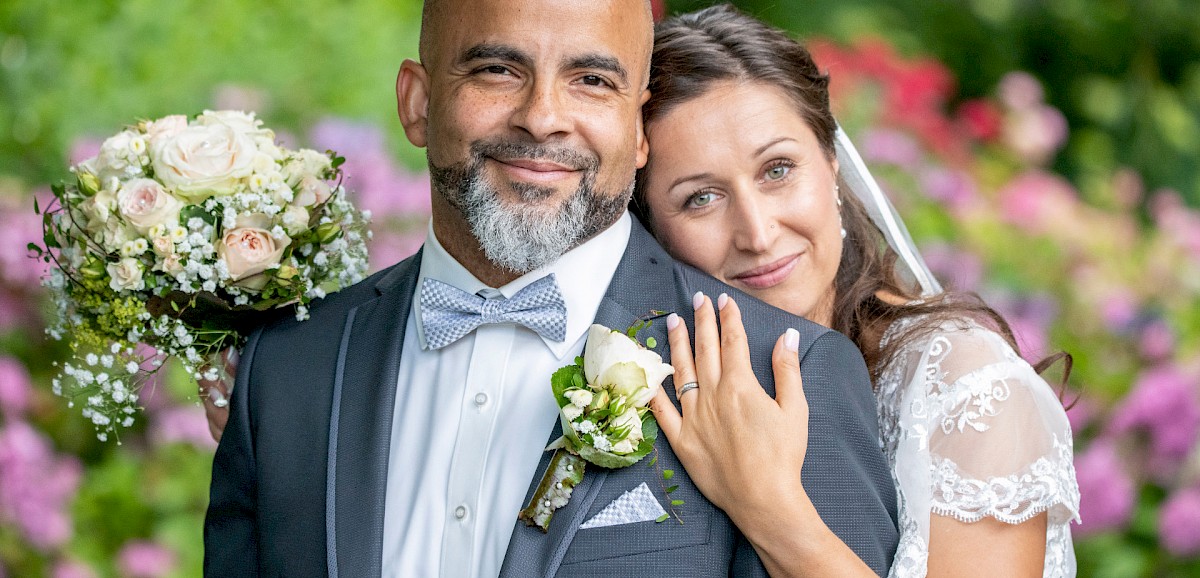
x=643, y=147
x=412, y=100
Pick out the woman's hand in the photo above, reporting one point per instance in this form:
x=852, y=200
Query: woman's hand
x=215, y=395
x=743, y=449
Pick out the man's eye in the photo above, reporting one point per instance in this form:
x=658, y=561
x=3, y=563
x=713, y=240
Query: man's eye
x=495, y=69
x=594, y=80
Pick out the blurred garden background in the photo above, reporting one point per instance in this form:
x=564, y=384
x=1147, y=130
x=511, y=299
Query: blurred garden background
x=1044, y=154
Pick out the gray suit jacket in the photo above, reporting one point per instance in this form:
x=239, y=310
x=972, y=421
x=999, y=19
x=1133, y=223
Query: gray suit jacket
x=299, y=478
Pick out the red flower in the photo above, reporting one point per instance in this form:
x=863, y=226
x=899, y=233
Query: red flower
x=981, y=119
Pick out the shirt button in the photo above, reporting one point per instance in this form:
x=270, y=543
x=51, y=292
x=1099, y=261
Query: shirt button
x=481, y=399
x=460, y=512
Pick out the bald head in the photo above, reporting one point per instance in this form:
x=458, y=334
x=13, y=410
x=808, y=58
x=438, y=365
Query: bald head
x=437, y=16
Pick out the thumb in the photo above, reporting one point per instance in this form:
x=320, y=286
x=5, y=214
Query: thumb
x=785, y=360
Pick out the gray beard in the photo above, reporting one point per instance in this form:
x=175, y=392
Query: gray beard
x=528, y=235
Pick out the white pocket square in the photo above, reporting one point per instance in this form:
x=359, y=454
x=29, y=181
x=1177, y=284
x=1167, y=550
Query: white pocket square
x=636, y=505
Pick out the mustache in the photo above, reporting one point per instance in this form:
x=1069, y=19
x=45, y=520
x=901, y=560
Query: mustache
x=506, y=149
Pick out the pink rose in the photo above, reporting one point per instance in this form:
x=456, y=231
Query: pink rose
x=144, y=203
x=249, y=249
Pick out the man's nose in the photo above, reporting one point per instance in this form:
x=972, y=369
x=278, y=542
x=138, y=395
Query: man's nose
x=544, y=111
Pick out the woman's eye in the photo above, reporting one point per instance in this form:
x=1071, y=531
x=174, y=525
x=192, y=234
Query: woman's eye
x=701, y=199
x=777, y=172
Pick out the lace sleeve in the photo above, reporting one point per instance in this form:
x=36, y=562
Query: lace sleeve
x=999, y=440
x=980, y=434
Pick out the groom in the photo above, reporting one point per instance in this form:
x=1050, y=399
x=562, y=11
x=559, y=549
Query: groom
x=374, y=439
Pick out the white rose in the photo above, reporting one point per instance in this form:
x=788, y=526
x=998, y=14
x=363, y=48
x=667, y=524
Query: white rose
x=266, y=144
x=571, y=412
x=611, y=360
x=579, y=397
x=98, y=207
x=305, y=163
x=311, y=192
x=625, y=446
x=629, y=419
x=263, y=163
x=144, y=203
x=204, y=161
x=126, y=274
x=295, y=220
x=165, y=127
x=243, y=122
x=249, y=250
x=117, y=157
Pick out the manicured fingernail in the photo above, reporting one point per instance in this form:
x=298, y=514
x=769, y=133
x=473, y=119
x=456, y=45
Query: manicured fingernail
x=722, y=299
x=791, y=340
x=697, y=300
x=672, y=321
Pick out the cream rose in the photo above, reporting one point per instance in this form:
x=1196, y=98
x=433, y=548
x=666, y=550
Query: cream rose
x=295, y=220
x=125, y=274
x=249, y=250
x=171, y=264
x=163, y=246
x=611, y=360
x=144, y=203
x=311, y=192
x=305, y=163
x=244, y=122
x=165, y=127
x=204, y=161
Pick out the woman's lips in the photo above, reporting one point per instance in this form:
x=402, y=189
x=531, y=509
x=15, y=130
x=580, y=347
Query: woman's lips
x=534, y=170
x=768, y=275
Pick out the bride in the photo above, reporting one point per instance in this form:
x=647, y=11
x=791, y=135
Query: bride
x=751, y=180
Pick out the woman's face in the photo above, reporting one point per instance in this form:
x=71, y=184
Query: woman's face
x=738, y=187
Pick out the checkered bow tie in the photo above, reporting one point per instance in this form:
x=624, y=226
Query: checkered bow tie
x=448, y=313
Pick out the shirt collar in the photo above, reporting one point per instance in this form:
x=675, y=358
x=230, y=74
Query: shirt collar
x=583, y=275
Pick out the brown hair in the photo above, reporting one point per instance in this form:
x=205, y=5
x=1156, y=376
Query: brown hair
x=694, y=51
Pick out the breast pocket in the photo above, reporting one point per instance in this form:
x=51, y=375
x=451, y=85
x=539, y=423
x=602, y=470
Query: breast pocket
x=689, y=524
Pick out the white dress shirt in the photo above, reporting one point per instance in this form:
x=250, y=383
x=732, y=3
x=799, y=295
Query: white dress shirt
x=472, y=419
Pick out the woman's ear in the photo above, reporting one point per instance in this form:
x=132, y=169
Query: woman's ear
x=412, y=100
x=643, y=147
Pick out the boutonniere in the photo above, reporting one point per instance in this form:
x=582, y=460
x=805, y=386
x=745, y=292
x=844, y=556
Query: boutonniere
x=602, y=404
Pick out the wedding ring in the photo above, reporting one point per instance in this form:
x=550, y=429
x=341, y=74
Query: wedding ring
x=688, y=387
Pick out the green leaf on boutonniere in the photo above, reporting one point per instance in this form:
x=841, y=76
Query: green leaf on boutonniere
x=563, y=474
x=565, y=378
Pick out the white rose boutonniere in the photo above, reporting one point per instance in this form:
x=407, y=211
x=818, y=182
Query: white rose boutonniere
x=603, y=405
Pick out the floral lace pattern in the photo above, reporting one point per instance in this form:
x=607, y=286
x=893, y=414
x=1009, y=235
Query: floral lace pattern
x=963, y=380
x=1012, y=499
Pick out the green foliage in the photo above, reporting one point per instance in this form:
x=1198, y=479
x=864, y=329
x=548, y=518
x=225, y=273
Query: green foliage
x=70, y=69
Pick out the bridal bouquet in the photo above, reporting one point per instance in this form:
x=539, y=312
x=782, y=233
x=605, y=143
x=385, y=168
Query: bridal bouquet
x=177, y=235
x=603, y=406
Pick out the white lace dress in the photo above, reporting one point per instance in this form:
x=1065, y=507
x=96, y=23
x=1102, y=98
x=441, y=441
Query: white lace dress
x=971, y=431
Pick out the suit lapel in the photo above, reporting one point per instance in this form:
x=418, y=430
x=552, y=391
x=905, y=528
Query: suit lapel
x=361, y=424
x=643, y=282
